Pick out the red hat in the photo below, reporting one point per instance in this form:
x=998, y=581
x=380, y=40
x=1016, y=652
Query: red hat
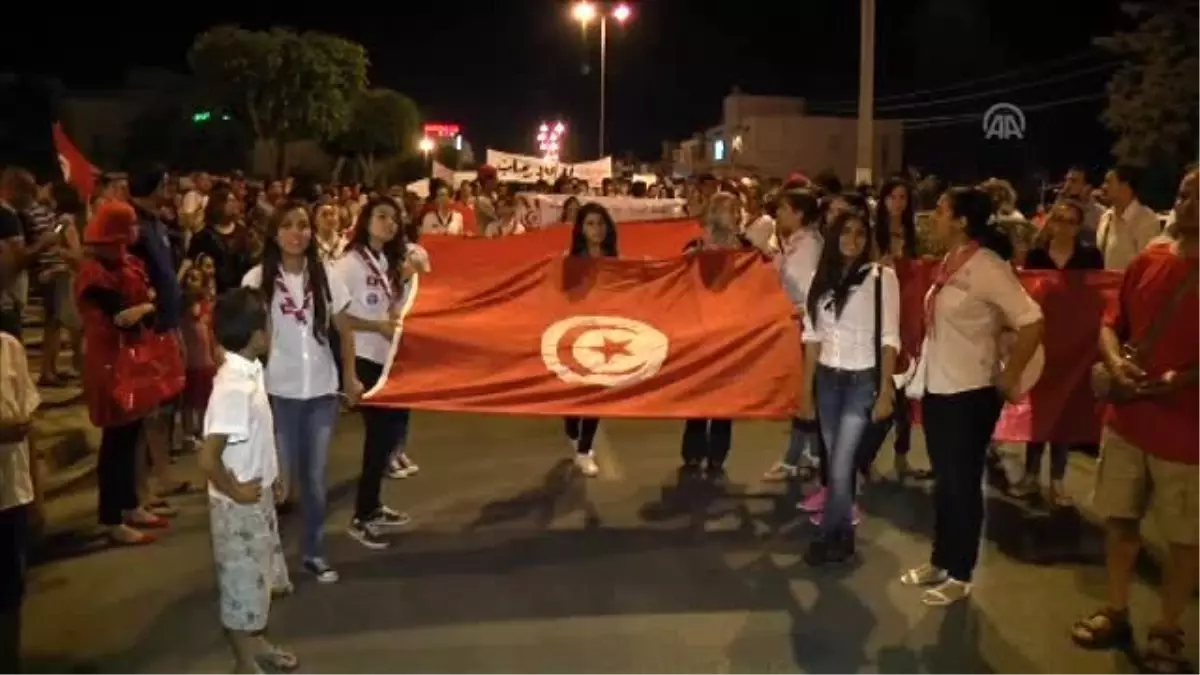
x=112, y=223
x=797, y=177
x=486, y=172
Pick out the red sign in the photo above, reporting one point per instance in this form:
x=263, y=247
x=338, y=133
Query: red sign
x=441, y=130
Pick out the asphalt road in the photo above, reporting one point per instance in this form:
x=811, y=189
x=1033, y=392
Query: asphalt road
x=515, y=564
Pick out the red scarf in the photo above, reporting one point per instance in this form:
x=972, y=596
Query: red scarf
x=288, y=304
x=951, y=264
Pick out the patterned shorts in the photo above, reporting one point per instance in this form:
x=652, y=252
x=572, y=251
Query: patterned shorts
x=249, y=560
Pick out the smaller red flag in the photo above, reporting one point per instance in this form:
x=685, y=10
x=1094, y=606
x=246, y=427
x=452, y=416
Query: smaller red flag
x=76, y=169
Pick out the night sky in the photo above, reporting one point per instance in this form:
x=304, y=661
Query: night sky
x=498, y=68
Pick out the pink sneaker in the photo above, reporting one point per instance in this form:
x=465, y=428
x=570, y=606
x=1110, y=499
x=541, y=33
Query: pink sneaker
x=855, y=517
x=814, y=503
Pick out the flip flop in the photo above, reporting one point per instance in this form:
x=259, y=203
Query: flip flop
x=277, y=659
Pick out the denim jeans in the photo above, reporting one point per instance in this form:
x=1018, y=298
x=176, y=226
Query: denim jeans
x=806, y=435
x=303, y=430
x=845, y=399
x=958, y=432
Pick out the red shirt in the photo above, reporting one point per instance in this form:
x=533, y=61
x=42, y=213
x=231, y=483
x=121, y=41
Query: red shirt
x=1164, y=426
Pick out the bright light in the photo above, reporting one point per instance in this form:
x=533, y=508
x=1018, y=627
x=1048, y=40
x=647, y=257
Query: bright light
x=622, y=13
x=559, y=129
x=426, y=145
x=584, y=12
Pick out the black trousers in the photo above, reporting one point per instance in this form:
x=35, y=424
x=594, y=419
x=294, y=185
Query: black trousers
x=116, y=471
x=706, y=439
x=14, y=546
x=958, y=431
x=583, y=431
x=382, y=429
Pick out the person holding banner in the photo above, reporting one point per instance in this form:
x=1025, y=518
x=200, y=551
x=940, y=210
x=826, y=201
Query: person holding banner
x=442, y=218
x=706, y=442
x=976, y=296
x=373, y=272
x=594, y=235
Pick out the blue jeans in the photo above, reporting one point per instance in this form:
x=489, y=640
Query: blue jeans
x=845, y=399
x=806, y=435
x=303, y=430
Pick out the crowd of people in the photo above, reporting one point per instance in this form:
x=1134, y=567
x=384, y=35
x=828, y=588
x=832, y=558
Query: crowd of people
x=279, y=302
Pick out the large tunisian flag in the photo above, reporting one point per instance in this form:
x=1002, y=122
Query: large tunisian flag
x=709, y=335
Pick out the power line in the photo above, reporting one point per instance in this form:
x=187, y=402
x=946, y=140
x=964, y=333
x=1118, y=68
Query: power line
x=1054, y=63
x=1061, y=77
x=921, y=124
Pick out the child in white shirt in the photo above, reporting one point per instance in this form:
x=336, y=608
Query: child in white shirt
x=240, y=461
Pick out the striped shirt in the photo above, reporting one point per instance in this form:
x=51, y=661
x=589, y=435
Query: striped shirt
x=42, y=221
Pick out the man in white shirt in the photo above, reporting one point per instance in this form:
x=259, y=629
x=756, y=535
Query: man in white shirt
x=1128, y=225
x=191, y=211
x=240, y=460
x=20, y=502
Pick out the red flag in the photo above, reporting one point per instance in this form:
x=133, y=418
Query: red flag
x=76, y=169
x=710, y=335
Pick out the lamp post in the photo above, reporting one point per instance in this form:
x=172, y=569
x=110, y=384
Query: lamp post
x=425, y=145
x=584, y=13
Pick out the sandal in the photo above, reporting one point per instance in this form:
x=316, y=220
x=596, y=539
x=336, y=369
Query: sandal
x=277, y=659
x=947, y=593
x=1164, y=651
x=924, y=575
x=1103, y=629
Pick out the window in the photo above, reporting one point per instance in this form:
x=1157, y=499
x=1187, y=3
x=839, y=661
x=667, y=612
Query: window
x=719, y=150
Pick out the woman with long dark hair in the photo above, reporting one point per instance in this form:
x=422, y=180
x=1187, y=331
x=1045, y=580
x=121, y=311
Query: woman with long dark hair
x=223, y=238
x=374, y=272
x=896, y=245
x=851, y=337
x=307, y=305
x=593, y=235
x=976, y=296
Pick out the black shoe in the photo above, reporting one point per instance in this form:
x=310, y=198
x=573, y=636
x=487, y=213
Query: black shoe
x=690, y=469
x=829, y=550
x=364, y=533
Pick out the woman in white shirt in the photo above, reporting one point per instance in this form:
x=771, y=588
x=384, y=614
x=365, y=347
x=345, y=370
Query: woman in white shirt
x=976, y=296
x=851, y=337
x=443, y=219
x=798, y=218
x=307, y=305
x=373, y=271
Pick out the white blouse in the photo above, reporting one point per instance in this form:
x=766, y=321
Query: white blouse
x=979, y=302
x=434, y=223
x=371, y=298
x=299, y=367
x=848, y=341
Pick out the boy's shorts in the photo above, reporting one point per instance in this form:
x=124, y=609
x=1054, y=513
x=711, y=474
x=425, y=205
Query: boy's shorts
x=1132, y=484
x=249, y=560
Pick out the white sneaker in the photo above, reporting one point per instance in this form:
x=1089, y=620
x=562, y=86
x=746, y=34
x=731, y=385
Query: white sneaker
x=587, y=465
x=396, y=469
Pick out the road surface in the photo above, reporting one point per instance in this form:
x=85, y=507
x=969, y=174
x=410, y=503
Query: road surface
x=514, y=564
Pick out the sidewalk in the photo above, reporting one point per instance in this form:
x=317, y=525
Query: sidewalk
x=64, y=441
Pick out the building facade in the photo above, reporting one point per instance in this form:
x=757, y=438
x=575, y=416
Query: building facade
x=775, y=136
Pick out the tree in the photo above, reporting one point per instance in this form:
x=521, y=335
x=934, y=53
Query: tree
x=287, y=86
x=1152, y=95
x=383, y=125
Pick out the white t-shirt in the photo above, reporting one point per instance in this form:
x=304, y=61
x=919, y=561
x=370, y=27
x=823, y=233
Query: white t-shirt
x=365, y=276
x=18, y=401
x=985, y=297
x=240, y=410
x=1121, y=238
x=848, y=341
x=299, y=367
x=798, y=263
x=434, y=223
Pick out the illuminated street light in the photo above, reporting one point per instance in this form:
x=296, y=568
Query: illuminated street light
x=584, y=12
x=426, y=145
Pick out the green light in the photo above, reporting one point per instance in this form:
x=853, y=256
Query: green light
x=202, y=116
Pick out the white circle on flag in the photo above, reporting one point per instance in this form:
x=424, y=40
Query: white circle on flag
x=605, y=351
x=65, y=166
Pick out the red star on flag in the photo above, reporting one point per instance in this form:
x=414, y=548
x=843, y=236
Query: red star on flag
x=612, y=348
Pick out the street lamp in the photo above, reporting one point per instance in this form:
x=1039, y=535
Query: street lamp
x=549, y=138
x=425, y=145
x=584, y=12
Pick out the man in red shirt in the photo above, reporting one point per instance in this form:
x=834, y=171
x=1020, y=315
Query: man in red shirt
x=1151, y=445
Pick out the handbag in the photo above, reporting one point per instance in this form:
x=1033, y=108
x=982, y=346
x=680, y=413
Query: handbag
x=1106, y=387
x=147, y=372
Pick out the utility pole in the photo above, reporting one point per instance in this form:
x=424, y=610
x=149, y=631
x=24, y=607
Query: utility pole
x=866, y=95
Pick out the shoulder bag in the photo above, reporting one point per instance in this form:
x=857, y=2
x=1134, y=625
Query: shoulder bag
x=1108, y=388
